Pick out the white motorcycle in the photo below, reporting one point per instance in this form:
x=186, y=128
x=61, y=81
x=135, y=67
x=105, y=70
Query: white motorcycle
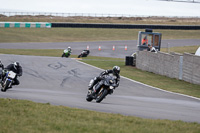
x=8, y=80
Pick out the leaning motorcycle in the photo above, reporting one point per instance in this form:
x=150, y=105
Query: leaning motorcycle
x=8, y=80
x=66, y=53
x=84, y=53
x=107, y=84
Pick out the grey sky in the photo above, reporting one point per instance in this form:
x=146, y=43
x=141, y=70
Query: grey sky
x=132, y=7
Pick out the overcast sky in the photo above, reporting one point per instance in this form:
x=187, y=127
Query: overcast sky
x=131, y=7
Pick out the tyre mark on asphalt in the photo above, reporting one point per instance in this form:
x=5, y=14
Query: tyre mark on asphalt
x=56, y=66
x=72, y=73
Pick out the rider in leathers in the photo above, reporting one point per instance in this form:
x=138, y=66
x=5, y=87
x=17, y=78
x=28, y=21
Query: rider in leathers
x=15, y=67
x=115, y=71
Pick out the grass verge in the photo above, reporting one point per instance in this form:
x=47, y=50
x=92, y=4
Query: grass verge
x=188, y=49
x=21, y=116
x=84, y=34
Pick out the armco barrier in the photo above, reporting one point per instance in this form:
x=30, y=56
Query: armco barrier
x=25, y=25
x=184, y=67
x=125, y=26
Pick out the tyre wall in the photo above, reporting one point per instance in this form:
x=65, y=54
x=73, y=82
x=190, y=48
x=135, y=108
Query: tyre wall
x=25, y=25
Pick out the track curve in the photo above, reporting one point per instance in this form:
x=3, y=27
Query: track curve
x=62, y=81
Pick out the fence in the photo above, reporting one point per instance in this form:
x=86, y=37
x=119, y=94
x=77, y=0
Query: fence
x=56, y=14
x=8, y=14
x=184, y=67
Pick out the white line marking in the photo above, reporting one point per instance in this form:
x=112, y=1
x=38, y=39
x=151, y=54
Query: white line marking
x=143, y=83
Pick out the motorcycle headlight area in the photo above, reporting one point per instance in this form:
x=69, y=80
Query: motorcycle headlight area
x=111, y=87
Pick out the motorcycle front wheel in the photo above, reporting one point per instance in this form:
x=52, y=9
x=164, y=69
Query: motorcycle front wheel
x=101, y=95
x=63, y=55
x=79, y=56
x=89, y=98
x=5, y=87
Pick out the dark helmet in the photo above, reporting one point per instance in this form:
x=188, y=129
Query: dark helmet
x=16, y=65
x=116, y=70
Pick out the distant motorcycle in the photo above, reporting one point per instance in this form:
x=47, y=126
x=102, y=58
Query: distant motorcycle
x=84, y=53
x=108, y=84
x=8, y=80
x=66, y=53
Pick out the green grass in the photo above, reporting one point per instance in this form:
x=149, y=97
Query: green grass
x=40, y=52
x=21, y=116
x=187, y=49
x=84, y=34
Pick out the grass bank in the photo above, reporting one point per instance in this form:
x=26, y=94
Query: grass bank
x=21, y=116
x=84, y=34
x=181, y=50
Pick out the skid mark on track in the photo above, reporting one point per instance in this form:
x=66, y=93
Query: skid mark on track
x=70, y=75
x=74, y=72
x=33, y=73
x=57, y=65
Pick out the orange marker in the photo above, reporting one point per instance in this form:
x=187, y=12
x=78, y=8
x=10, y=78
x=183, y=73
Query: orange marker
x=113, y=47
x=125, y=47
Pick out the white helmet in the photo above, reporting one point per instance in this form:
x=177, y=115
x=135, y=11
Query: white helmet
x=16, y=65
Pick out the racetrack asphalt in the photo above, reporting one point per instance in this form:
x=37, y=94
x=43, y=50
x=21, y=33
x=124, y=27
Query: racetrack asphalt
x=64, y=81
x=106, y=46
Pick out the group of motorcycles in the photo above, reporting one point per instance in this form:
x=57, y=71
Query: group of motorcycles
x=107, y=83
x=67, y=53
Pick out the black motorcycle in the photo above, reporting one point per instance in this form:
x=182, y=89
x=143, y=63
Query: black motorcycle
x=108, y=83
x=84, y=53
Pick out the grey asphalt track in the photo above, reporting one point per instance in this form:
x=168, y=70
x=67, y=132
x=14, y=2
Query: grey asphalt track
x=63, y=81
x=106, y=46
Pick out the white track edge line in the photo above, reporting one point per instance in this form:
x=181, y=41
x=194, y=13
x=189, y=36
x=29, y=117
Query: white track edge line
x=143, y=83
